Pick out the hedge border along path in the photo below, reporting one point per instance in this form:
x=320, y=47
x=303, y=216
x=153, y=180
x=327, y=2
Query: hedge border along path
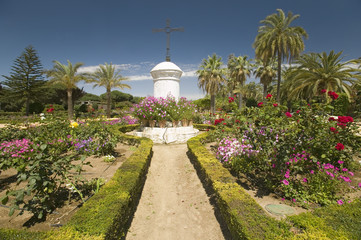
x=106, y=215
x=243, y=216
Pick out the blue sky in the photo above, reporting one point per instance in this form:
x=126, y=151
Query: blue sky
x=120, y=32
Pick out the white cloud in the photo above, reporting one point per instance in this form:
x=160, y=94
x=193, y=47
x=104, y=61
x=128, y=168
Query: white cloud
x=88, y=69
x=189, y=74
x=139, y=77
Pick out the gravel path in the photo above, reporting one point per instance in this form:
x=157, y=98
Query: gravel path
x=174, y=204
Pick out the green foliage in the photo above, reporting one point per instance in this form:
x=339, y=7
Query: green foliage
x=90, y=97
x=244, y=217
x=117, y=96
x=303, y=155
x=341, y=105
x=345, y=222
x=26, y=79
x=203, y=103
x=108, y=212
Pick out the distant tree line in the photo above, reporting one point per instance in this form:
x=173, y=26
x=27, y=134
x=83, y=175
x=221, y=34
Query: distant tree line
x=29, y=87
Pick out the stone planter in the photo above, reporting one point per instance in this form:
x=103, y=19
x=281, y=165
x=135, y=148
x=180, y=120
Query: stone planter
x=162, y=123
x=184, y=123
x=151, y=123
x=190, y=122
x=175, y=123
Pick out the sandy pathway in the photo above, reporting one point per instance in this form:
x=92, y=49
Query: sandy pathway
x=174, y=204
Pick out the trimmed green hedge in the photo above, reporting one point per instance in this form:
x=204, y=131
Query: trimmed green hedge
x=203, y=127
x=243, y=216
x=330, y=222
x=107, y=214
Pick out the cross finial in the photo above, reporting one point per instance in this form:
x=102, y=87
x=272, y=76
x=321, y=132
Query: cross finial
x=168, y=30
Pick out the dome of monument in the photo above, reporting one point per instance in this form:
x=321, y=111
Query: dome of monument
x=166, y=66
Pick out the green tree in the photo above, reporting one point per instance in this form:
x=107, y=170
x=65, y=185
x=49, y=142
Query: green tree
x=317, y=71
x=107, y=76
x=26, y=79
x=276, y=38
x=265, y=71
x=67, y=76
x=211, y=77
x=239, y=69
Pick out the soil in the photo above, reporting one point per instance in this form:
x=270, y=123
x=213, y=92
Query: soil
x=99, y=169
x=174, y=204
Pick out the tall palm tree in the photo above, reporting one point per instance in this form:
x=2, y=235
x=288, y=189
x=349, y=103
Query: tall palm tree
x=265, y=71
x=318, y=71
x=67, y=76
x=276, y=38
x=106, y=76
x=211, y=77
x=239, y=69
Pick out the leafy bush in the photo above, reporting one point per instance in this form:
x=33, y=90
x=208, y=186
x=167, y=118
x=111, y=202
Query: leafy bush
x=305, y=155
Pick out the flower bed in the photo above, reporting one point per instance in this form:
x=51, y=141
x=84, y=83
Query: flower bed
x=305, y=156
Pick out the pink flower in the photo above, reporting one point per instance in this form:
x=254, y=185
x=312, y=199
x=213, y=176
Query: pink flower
x=305, y=180
x=288, y=114
x=340, y=202
x=351, y=173
x=339, y=146
x=312, y=172
x=285, y=182
x=293, y=199
x=359, y=184
x=340, y=162
x=275, y=104
x=323, y=90
x=287, y=176
x=298, y=111
x=283, y=199
x=260, y=104
x=268, y=96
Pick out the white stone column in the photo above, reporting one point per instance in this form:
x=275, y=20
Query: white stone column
x=166, y=78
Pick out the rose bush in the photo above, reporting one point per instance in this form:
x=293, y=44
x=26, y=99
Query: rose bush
x=300, y=154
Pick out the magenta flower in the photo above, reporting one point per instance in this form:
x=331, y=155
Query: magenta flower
x=340, y=202
x=288, y=114
x=305, y=180
x=285, y=182
x=312, y=172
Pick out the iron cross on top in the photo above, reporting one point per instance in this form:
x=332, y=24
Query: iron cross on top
x=168, y=30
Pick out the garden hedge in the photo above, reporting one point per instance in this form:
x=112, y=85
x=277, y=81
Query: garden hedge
x=243, y=216
x=107, y=214
x=247, y=220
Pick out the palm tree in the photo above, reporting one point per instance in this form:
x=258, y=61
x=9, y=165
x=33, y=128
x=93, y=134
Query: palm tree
x=211, y=77
x=67, y=76
x=317, y=71
x=276, y=38
x=239, y=69
x=106, y=76
x=265, y=71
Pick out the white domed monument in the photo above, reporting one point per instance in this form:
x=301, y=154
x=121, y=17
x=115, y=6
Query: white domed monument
x=166, y=78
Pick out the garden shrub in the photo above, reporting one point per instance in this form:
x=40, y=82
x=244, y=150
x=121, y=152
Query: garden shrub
x=244, y=217
x=306, y=155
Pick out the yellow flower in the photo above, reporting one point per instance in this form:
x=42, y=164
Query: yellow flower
x=74, y=124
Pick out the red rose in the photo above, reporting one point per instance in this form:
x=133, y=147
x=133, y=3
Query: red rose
x=224, y=123
x=332, y=95
x=260, y=104
x=331, y=119
x=298, y=111
x=323, y=91
x=288, y=114
x=275, y=104
x=340, y=146
x=332, y=129
x=230, y=99
x=268, y=96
